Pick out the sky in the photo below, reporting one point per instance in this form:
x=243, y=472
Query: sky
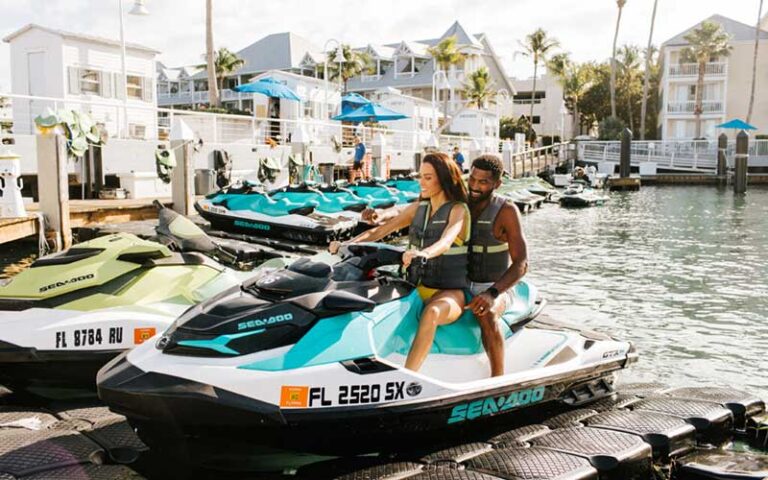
x=584, y=28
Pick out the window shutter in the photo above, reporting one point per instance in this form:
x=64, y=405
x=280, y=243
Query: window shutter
x=105, y=84
x=119, y=86
x=146, y=90
x=74, y=80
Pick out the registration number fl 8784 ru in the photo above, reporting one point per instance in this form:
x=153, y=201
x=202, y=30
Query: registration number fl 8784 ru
x=89, y=337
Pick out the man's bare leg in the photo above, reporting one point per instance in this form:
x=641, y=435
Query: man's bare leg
x=493, y=340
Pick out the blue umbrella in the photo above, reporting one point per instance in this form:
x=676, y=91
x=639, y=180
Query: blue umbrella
x=351, y=101
x=270, y=87
x=737, y=124
x=370, y=112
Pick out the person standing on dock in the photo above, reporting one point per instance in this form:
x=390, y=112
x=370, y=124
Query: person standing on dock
x=458, y=158
x=357, y=164
x=498, y=254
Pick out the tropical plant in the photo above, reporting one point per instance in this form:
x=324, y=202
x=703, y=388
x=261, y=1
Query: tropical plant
x=611, y=128
x=754, y=62
x=628, y=65
x=213, y=93
x=478, y=89
x=706, y=42
x=537, y=46
x=575, y=79
x=620, y=4
x=226, y=63
x=355, y=63
x=509, y=126
x=647, y=72
x=446, y=53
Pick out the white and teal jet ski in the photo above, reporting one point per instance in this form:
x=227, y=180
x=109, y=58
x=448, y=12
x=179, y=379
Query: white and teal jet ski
x=310, y=359
x=580, y=195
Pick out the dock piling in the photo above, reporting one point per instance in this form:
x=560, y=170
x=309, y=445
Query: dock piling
x=53, y=185
x=182, y=176
x=740, y=178
x=625, y=155
x=722, y=165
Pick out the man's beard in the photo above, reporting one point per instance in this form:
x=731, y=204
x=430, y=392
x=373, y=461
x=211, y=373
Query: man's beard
x=474, y=200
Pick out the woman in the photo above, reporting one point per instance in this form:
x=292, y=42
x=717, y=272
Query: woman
x=438, y=231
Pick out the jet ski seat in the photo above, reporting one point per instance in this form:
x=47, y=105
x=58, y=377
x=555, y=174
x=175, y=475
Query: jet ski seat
x=262, y=203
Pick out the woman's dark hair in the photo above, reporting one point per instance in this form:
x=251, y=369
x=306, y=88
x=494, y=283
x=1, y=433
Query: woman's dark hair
x=449, y=176
x=489, y=163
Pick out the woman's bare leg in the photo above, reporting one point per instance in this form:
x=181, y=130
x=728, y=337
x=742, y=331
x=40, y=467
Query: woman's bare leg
x=443, y=308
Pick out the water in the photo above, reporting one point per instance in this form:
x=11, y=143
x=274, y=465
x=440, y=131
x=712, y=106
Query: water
x=680, y=271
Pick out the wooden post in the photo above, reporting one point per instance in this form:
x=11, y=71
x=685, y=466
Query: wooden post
x=182, y=178
x=625, y=156
x=740, y=178
x=53, y=185
x=722, y=165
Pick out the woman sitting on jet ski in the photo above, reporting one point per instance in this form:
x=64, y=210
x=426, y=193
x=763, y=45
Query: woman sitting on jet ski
x=439, y=228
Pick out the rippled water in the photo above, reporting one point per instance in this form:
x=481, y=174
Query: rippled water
x=680, y=271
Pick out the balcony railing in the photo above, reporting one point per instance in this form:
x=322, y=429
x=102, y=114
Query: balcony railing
x=692, y=69
x=198, y=97
x=405, y=74
x=707, y=106
x=370, y=78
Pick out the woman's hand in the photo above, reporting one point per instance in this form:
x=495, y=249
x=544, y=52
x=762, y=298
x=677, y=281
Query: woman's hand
x=409, y=255
x=334, y=247
x=369, y=215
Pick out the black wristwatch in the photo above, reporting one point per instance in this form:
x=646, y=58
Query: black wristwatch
x=493, y=292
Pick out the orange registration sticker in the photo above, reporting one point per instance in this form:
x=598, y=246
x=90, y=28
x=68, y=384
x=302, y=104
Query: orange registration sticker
x=141, y=335
x=291, y=396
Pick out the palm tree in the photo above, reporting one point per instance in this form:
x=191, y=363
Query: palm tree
x=478, y=89
x=706, y=42
x=446, y=54
x=213, y=93
x=537, y=46
x=355, y=63
x=225, y=64
x=647, y=73
x=575, y=79
x=620, y=4
x=754, y=62
x=628, y=64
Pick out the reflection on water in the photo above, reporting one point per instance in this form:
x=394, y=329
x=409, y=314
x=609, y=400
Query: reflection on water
x=680, y=271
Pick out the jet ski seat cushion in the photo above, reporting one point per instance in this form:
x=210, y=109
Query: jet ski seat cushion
x=264, y=204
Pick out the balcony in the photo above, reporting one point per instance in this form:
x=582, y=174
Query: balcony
x=226, y=95
x=370, y=78
x=405, y=74
x=692, y=69
x=687, y=108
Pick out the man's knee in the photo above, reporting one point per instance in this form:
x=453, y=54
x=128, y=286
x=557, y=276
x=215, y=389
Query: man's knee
x=489, y=325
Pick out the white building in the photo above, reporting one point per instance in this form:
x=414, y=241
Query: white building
x=549, y=114
x=727, y=83
x=82, y=68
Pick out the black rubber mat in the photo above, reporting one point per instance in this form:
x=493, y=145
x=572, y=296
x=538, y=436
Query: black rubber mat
x=572, y=418
x=615, y=401
x=533, y=464
x=457, y=454
x=519, y=437
x=451, y=474
x=723, y=465
x=11, y=417
x=644, y=389
x=87, y=472
x=93, y=414
x=359, y=468
x=668, y=436
x=117, y=437
x=24, y=452
x=713, y=422
x=742, y=404
x=614, y=454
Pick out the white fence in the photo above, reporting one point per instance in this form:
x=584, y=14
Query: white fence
x=693, y=155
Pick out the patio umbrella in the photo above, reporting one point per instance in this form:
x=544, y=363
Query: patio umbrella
x=370, y=112
x=736, y=124
x=270, y=87
x=351, y=101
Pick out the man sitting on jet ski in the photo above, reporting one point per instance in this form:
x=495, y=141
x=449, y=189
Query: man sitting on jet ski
x=439, y=228
x=498, y=256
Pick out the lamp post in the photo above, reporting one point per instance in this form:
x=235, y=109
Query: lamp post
x=341, y=59
x=563, y=112
x=138, y=9
x=444, y=85
x=502, y=92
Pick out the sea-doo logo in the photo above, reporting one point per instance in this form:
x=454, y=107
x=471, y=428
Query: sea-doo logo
x=493, y=405
x=255, y=226
x=613, y=353
x=66, y=282
x=162, y=342
x=260, y=322
x=413, y=389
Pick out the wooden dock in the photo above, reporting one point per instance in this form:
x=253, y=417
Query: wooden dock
x=83, y=213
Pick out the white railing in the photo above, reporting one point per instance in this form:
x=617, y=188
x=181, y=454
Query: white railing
x=692, y=155
x=198, y=97
x=405, y=74
x=370, y=78
x=707, y=106
x=692, y=69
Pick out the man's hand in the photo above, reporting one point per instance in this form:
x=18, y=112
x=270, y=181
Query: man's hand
x=334, y=247
x=481, y=304
x=409, y=255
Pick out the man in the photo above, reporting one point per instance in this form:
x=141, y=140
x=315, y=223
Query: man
x=357, y=165
x=498, y=255
x=458, y=158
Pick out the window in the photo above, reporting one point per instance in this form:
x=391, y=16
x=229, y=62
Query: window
x=136, y=130
x=89, y=81
x=524, y=98
x=135, y=87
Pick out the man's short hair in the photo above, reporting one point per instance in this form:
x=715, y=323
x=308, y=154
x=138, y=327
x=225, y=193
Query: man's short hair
x=490, y=163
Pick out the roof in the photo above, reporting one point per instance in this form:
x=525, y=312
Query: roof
x=278, y=51
x=77, y=36
x=416, y=48
x=462, y=37
x=739, y=32
x=381, y=51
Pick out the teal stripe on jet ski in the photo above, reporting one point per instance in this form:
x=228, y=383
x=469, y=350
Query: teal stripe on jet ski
x=218, y=344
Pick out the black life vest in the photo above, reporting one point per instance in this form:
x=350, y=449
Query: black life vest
x=449, y=270
x=488, y=257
